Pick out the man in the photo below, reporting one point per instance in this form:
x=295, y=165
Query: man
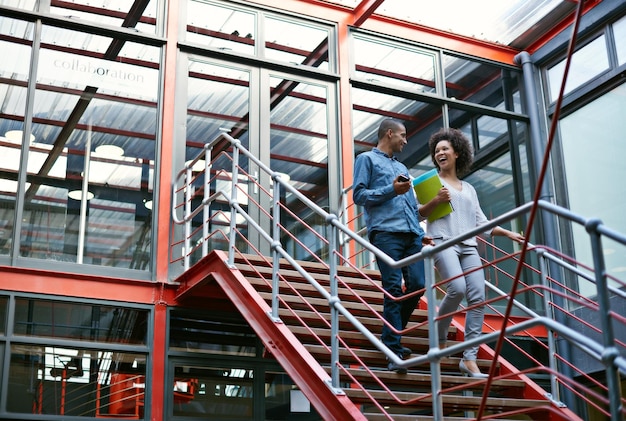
x=393, y=227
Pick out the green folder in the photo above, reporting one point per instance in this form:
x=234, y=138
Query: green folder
x=426, y=187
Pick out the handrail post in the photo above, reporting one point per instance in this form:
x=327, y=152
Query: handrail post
x=433, y=332
x=610, y=352
x=232, y=201
x=206, y=214
x=187, y=219
x=334, y=297
x=343, y=208
x=547, y=303
x=275, y=244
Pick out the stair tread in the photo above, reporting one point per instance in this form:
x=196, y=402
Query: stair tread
x=376, y=358
x=411, y=417
x=374, y=324
x=311, y=267
x=451, y=401
x=355, y=339
x=447, y=380
x=354, y=279
x=306, y=288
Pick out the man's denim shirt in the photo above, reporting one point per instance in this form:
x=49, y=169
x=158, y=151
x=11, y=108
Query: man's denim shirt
x=374, y=173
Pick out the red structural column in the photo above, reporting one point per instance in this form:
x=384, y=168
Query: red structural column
x=159, y=349
x=167, y=145
x=157, y=385
x=345, y=115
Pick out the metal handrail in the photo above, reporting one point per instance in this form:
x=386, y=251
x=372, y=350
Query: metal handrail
x=606, y=353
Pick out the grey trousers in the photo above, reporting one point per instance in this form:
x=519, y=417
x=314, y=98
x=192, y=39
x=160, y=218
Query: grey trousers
x=452, y=263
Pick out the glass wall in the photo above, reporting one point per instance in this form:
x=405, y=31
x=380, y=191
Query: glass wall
x=221, y=26
x=91, y=176
x=14, y=74
x=593, y=150
x=433, y=89
x=276, y=106
x=219, y=367
x=587, y=63
x=75, y=359
x=590, y=144
x=80, y=137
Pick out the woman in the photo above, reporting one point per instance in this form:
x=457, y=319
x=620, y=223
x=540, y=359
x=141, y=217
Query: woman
x=451, y=153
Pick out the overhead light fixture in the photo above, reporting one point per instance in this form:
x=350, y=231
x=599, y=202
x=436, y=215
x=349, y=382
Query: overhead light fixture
x=110, y=151
x=78, y=195
x=198, y=166
x=147, y=204
x=17, y=135
x=283, y=176
x=223, y=217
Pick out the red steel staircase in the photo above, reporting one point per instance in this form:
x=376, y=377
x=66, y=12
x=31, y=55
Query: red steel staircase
x=300, y=341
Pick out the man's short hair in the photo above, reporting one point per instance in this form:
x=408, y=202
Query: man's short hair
x=386, y=124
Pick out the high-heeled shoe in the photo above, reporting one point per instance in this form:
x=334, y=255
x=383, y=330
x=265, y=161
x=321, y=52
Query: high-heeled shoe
x=467, y=372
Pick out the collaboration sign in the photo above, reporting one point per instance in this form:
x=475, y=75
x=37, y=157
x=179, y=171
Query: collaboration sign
x=111, y=77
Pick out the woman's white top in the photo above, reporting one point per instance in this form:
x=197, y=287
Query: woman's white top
x=466, y=215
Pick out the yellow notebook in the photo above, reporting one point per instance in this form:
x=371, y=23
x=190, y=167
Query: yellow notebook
x=426, y=187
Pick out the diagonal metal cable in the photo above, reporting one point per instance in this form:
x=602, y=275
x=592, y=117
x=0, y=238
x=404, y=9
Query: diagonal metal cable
x=533, y=210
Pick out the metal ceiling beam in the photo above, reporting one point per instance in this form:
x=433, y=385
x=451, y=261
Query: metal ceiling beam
x=364, y=10
x=559, y=27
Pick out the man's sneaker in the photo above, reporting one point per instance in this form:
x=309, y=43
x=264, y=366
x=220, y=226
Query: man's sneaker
x=405, y=352
x=395, y=367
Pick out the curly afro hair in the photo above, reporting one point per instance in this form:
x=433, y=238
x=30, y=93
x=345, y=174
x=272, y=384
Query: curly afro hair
x=459, y=143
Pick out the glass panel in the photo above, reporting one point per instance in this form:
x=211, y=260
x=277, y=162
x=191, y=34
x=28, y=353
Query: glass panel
x=593, y=150
x=76, y=382
x=218, y=101
x=495, y=189
x=421, y=119
x=494, y=186
x=299, y=147
x=224, y=391
x=221, y=27
x=619, y=33
x=91, y=161
x=370, y=108
x=298, y=43
x=481, y=83
x=520, y=136
x=54, y=319
x=284, y=401
x=491, y=129
x=587, y=62
x=212, y=334
x=17, y=37
x=464, y=120
x=120, y=13
x=30, y=5
x=396, y=65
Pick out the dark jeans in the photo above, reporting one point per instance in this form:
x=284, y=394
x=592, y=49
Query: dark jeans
x=397, y=313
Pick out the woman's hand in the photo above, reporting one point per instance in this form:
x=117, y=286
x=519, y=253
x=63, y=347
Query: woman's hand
x=443, y=196
x=516, y=237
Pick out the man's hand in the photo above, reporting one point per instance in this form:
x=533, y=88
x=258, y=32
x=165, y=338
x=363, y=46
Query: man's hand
x=427, y=241
x=401, y=187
